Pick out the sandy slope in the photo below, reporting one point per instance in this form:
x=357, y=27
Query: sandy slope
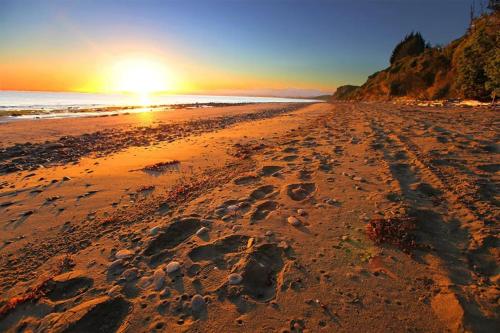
x=282, y=200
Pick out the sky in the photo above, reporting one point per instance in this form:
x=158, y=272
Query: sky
x=250, y=47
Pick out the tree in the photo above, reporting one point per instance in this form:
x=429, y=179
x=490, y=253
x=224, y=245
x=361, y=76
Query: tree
x=412, y=45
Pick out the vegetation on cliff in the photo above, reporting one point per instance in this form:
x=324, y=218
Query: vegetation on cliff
x=467, y=68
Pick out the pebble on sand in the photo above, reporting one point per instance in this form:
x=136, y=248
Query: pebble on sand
x=116, y=266
x=173, y=266
x=301, y=212
x=124, y=254
x=197, y=303
x=293, y=221
x=234, y=278
x=158, y=279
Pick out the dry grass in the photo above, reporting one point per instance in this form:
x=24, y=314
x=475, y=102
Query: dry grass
x=161, y=166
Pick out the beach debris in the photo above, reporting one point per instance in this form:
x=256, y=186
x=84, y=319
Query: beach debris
x=396, y=231
x=162, y=166
x=173, y=266
x=234, y=278
x=145, y=188
x=245, y=150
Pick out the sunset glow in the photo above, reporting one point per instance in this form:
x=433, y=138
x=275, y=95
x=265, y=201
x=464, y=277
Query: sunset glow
x=140, y=76
x=217, y=49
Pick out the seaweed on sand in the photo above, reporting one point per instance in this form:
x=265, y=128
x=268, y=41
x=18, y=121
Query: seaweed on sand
x=396, y=231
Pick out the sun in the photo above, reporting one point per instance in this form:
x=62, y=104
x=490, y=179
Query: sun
x=140, y=76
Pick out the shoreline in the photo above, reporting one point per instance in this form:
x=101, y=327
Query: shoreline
x=110, y=111
x=60, y=104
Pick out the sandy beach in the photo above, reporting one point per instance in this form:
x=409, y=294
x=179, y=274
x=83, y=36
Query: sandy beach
x=316, y=217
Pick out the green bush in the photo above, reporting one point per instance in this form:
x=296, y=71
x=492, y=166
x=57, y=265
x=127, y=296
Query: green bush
x=477, y=66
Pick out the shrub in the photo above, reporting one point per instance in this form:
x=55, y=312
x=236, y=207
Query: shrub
x=412, y=45
x=477, y=66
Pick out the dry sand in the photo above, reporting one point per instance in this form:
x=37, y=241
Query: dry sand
x=255, y=222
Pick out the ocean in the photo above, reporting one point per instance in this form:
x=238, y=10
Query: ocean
x=67, y=104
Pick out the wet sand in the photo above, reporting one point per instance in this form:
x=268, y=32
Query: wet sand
x=254, y=218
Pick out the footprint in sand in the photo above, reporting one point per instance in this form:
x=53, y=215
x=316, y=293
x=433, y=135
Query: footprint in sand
x=305, y=175
x=245, y=180
x=68, y=285
x=263, y=210
x=216, y=250
x=176, y=233
x=270, y=170
x=103, y=314
x=262, y=192
x=221, y=254
x=259, y=270
x=300, y=191
x=232, y=208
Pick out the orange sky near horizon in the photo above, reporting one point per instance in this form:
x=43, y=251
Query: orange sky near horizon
x=96, y=74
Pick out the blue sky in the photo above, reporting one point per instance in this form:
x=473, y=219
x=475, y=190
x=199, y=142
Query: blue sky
x=311, y=44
